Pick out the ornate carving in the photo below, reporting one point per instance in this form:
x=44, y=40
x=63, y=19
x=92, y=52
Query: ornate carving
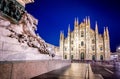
x=24, y=31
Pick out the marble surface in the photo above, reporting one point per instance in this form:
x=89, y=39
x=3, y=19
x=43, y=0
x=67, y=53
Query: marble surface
x=75, y=71
x=29, y=69
x=20, y=42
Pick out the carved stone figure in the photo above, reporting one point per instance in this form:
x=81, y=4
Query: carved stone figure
x=24, y=32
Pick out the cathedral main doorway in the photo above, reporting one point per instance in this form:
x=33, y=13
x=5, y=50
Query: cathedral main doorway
x=93, y=57
x=101, y=57
x=65, y=56
x=82, y=56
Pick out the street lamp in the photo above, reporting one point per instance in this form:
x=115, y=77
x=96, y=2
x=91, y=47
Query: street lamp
x=118, y=52
x=51, y=52
x=118, y=49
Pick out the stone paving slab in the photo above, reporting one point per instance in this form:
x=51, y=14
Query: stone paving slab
x=75, y=71
x=29, y=69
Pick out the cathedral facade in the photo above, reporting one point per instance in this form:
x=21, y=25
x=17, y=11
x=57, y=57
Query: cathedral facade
x=84, y=43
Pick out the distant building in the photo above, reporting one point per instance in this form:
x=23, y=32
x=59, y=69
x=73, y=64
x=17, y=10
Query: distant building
x=54, y=50
x=84, y=43
x=118, y=53
x=114, y=56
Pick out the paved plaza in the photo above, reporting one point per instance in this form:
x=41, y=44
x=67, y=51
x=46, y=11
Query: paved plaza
x=75, y=71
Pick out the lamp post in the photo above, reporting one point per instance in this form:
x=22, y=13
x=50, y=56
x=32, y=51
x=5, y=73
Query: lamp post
x=51, y=53
x=118, y=52
x=118, y=63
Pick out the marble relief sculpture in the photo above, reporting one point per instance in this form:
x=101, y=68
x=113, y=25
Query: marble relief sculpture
x=21, y=26
x=24, y=32
x=18, y=40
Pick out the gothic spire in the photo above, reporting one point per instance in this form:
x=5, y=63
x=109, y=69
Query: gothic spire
x=96, y=27
x=69, y=28
x=104, y=33
x=75, y=21
x=107, y=33
x=88, y=20
x=61, y=35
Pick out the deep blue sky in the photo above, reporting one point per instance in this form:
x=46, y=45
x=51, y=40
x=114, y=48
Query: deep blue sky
x=55, y=15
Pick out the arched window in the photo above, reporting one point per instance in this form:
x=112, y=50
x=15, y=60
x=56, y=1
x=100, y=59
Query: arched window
x=101, y=57
x=72, y=56
x=93, y=57
x=82, y=34
x=65, y=56
x=82, y=43
x=72, y=49
x=93, y=48
x=101, y=48
x=65, y=49
x=71, y=42
x=93, y=41
x=82, y=56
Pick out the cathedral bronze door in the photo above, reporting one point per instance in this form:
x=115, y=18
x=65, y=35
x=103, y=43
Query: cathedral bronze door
x=82, y=56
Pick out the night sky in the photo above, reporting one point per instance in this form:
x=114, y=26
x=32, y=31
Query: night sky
x=56, y=15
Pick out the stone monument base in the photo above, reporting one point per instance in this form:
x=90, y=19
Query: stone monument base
x=29, y=69
x=12, y=50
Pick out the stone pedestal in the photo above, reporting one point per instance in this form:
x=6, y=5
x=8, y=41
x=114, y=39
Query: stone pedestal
x=15, y=48
x=29, y=69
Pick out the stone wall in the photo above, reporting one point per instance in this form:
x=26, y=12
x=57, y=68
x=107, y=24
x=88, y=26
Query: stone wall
x=29, y=69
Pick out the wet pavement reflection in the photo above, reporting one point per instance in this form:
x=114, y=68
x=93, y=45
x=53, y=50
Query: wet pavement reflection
x=74, y=71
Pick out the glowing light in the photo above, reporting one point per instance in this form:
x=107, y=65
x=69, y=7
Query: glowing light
x=119, y=48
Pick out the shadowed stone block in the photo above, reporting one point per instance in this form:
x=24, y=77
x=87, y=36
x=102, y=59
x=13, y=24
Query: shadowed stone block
x=29, y=69
x=5, y=71
x=18, y=70
x=0, y=45
x=36, y=68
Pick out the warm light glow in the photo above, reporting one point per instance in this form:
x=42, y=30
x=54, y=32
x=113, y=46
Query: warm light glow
x=119, y=48
x=49, y=48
